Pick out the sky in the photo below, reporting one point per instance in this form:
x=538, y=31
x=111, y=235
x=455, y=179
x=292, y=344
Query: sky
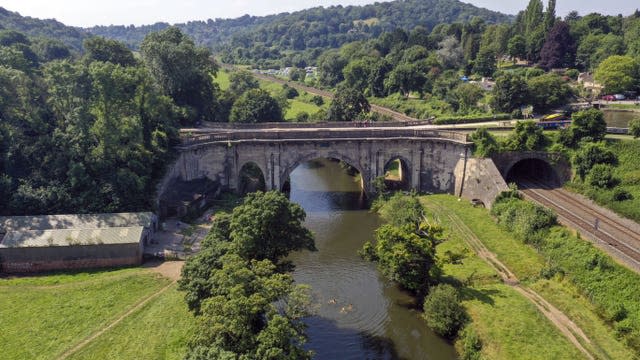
x=87, y=13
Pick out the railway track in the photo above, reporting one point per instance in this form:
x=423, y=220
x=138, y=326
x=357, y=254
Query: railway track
x=613, y=234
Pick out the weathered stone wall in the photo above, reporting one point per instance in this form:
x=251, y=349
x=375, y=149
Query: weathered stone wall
x=430, y=162
x=479, y=179
x=38, y=259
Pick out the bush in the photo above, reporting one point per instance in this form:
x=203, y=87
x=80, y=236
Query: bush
x=289, y=92
x=302, y=117
x=526, y=220
x=484, y=143
x=470, y=119
x=601, y=176
x=591, y=154
x=317, y=100
x=634, y=127
x=469, y=344
x=443, y=311
x=621, y=195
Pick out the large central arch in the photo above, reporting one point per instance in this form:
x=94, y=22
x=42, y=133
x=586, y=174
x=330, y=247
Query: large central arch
x=302, y=158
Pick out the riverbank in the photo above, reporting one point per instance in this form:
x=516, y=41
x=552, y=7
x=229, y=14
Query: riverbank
x=499, y=328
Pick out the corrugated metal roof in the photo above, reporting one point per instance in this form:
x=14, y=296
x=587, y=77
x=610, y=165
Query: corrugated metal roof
x=77, y=221
x=70, y=237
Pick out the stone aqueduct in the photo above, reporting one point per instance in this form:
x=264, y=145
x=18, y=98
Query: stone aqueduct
x=437, y=161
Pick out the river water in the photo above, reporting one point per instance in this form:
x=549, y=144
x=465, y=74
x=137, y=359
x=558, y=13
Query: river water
x=619, y=118
x=358, y=314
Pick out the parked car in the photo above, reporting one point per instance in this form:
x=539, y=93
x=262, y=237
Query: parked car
x=619, y=97
x=609, y=98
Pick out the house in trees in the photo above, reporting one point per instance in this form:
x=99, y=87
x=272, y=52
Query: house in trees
x=589, y=83
x=60, y=242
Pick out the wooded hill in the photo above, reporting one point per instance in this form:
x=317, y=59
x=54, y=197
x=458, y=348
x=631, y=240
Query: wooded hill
x=37, y=28
x=318, y=27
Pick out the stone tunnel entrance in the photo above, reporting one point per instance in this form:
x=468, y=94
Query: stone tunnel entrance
x=533, y=173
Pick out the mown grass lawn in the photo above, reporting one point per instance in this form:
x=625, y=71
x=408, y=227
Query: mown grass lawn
x=158, y=331
x=566, y=293
x=41, y=317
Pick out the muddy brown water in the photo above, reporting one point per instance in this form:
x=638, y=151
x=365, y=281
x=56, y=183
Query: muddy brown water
x=370, y=318
x=619, y=118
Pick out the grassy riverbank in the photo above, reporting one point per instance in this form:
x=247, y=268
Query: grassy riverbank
x=44, y=316
x=497, y=310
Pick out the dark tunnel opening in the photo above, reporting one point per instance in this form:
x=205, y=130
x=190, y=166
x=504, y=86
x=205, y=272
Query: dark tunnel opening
x=533, y=173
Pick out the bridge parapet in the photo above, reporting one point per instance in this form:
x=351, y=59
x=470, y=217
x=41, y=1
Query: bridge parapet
x=199, y=138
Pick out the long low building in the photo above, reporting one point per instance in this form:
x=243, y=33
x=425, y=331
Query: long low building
x=59, y=242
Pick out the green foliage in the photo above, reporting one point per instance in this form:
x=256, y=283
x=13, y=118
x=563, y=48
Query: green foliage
x=405, y=247
x=105, y=50
x=348, y=105
x=444, y=312
x=525, y=220
x=618, y=73
x=589, y=155
x=601, y=176
x=469, y=344
x=242, y=81
x=402, y=210
x=588, y=124
x=405, y=256
x=93, y=135
x=470, y=119
x=289, y=92
x=485, y=144
x=246, y=306
x=509, y=93
x=547, y=92
x=182, y=70
x=255, y=106
x=317, y=100
x=465, y=97
x=527, y=136
x=268, y=226
x=634, y=128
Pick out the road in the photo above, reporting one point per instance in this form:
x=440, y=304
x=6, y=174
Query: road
x=617, y=236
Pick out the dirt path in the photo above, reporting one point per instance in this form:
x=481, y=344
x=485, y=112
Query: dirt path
x=169, y=269
x=561, y=321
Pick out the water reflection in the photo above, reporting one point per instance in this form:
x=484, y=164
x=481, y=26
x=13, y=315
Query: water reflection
x=619, y=118
x=359, y=315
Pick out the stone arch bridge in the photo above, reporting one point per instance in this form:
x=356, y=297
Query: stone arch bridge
x=435, y=159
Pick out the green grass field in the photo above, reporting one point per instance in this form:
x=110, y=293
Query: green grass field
x=566, y=293
x=297, y=105
x=42, y=317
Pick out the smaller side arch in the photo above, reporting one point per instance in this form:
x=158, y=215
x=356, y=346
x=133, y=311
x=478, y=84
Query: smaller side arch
x=397, y=172
x=251, y=178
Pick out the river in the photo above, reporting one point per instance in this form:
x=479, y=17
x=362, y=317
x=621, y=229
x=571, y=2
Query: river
x=619, y=118
x=371, y=318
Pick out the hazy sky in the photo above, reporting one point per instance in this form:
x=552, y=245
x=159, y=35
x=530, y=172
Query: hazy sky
x=125, y=12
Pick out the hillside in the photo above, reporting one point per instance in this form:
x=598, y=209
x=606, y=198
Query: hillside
x=313, y=28
x=49, y=28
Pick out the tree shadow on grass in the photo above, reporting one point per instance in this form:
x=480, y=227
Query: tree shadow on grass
x=483, y=295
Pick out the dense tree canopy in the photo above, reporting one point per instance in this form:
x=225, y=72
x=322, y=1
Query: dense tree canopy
x=618, y=73
x=87, y=135
x=256, y=106
x=348, y=105
x=183, y=72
